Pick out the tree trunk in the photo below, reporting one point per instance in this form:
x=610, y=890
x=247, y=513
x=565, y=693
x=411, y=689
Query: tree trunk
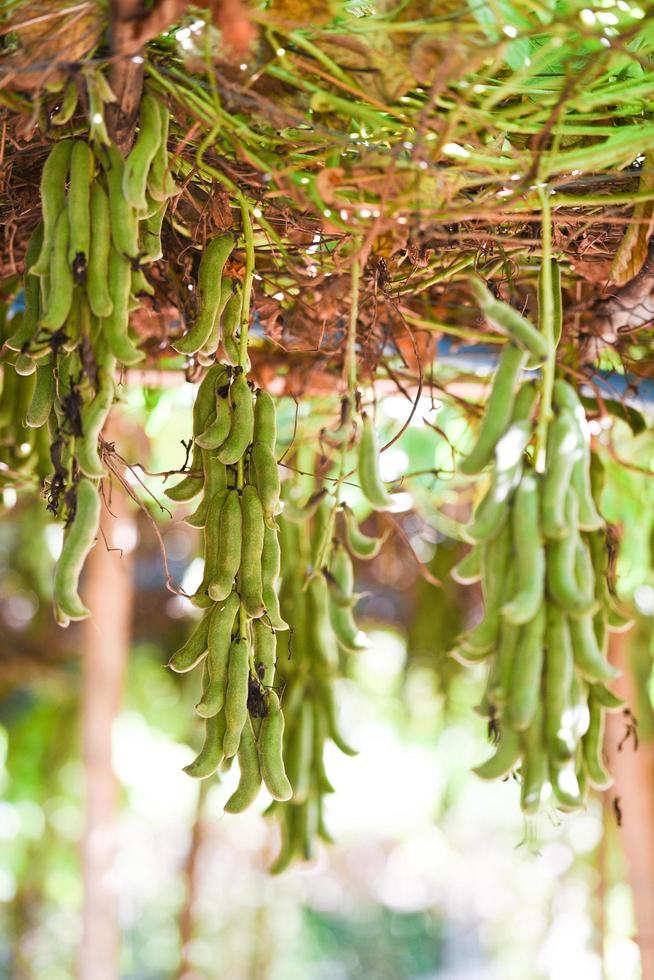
x=632, y=801
x=105, y=645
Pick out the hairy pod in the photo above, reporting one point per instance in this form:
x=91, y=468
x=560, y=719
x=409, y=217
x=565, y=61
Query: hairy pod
x=368, y=468
x=229, y=322
x=93, y=420
x=504, y=759
x=534, y=770
x=529, y=554
x=361, y=545
x=43, y=396
x=267, y=481
x=97, y=270
x=60, y=282
x=498, y=411
x=236, y=695
x=53, y=199
x=79, y=538
x=250, y=775
x=559, y=671
x=219, y=639
x=242, y=422
x=146, y=144
x=563, y=451
x=265, y=421
x=211, y=753
x=270, y=568
x=82, y=166
x=526, y=677
x=508, y=321
x=115, y=326
x=160, y=182
x=228, y=552
x=124, y=219
x=270, y=746
x=212, y=263
x=194, y=650
x=265, y=652
x=250, y=578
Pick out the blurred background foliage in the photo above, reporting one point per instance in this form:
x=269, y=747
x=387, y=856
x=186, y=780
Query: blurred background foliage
x=433, y=874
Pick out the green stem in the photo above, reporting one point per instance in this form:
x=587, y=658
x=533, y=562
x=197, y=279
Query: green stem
x=546, y=316
x=248, y=277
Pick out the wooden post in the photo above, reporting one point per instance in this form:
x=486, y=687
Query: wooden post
x=108, y=593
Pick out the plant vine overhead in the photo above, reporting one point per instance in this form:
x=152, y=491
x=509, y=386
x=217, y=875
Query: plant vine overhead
x=269, y=199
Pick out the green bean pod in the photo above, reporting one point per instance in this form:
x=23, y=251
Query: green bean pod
x=368, y=468
x=563, y=451
x=124, y=217
x=211, y=753
x=588, y=657
x=212, y=545
x=265, y=421
x=468, y=569
x=508, y=321
x=93, y=420
x=149, y=229
x=607, y=699
x=82, y=166
x=559, y=670
x=265, y=652
x=53, y=199
x=242, y=422
x=146, y=144
x=495, y=562
x=504, y=759
x=219, y=638
x=215, y=479
x=97, y=271
x=499, y=410
x=270, y=744
x=27, y=327
x=229, y=323
x=60, y=291
x=361, y=545
x=250, y=578
x=212, y=264
x=250, y=775
x=529, y=554
x=525, y=682
x=79, y=538
x=228, y=552
x=298, y=756
x=267, y=481
x=270, y=568
x=193, y=650
x=43, y=396
x=160, y=182
x=115, y=326
x=236, y=695
x=217, y=428
x=534, y=770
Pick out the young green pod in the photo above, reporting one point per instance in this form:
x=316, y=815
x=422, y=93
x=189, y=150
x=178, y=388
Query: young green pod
x=60, y=292
x=212, y=263
x=115, y=326
x=250, y=578
x=215, y=479
x=270, y=745
x=346, y=631
x=229, y=322
x=563, y=451
x=27, y=326
x=217, y=428
x=242, y=422
x=43, y=396
x=219, y=638
x=508, y=321
x=228, y=552
x=556, y=298
x=589, y=660
x=361, y=545
x=368, y=468
x=211, y=753
x=97, y=270
x=504, y=759
x=67, y=104
x=563, y=584
x=212, y=545
x=533, y=771
x=250, y=775
x=495, y=564
x=149, y=229
x=236, y=695
x=265, y=652
x=146, y=144
x=559, y=670
x=267, y=481
x=270, y=568
x=123, y=216
x=193, y=650
x=265, y=421
x=53, y=199
x=160, y=182
x=525, y=681
x=607, y=699
x=529, y=554
x=299, y=752
x=82, y=165
x=327, y=706
x=592, y=746
x=79, y=538
x=499, y=410
x=93, y=420
x=468, y=569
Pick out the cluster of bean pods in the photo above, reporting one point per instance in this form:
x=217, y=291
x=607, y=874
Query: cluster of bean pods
x=540, y=551
x=101, y=224
x=318, y=598
x=235, y=434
